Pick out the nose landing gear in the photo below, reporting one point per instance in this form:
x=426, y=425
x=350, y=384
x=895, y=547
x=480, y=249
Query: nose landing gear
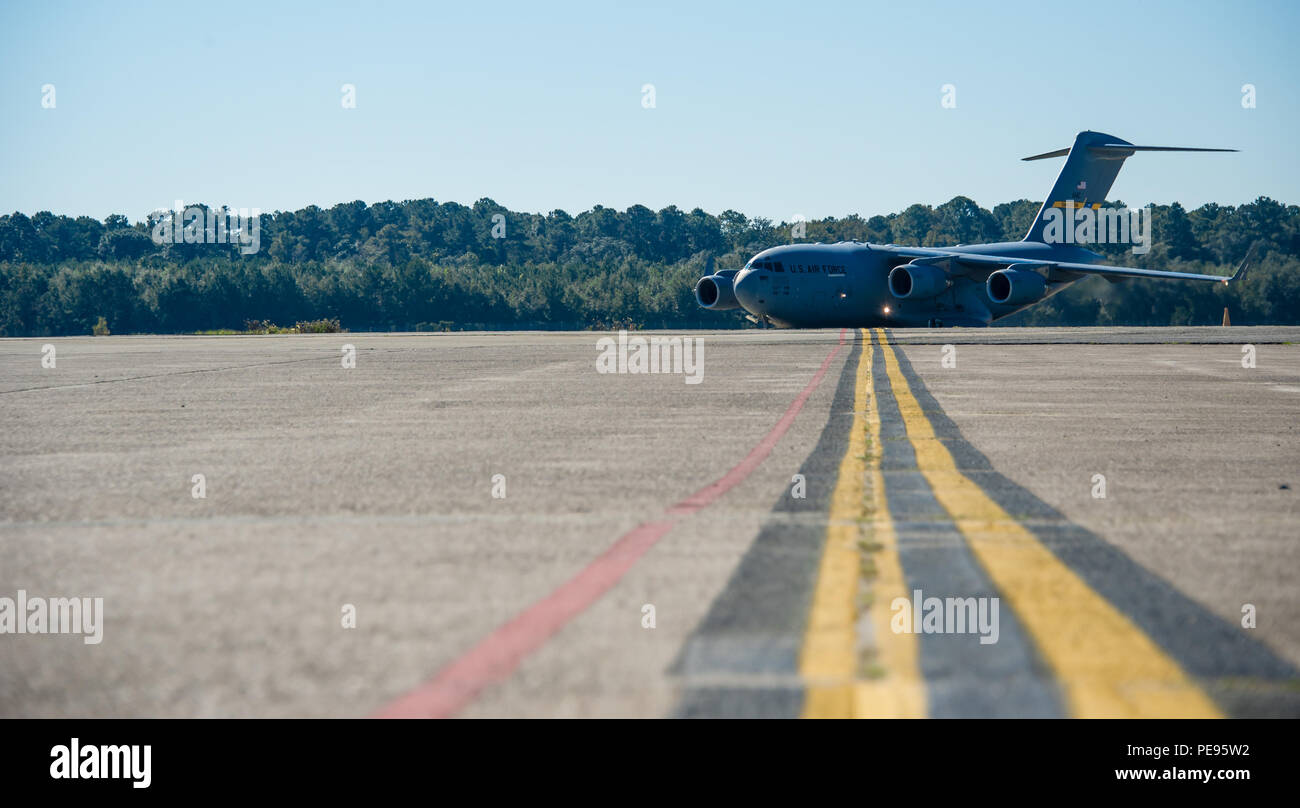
x=934, y=322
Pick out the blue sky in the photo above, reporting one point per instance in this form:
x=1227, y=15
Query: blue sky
x=770, y=109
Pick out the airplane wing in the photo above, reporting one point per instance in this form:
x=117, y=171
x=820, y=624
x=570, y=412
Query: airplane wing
x=979, y=259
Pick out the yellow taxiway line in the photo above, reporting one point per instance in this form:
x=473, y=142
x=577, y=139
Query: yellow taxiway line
x=1107, y=666
x=841, y=684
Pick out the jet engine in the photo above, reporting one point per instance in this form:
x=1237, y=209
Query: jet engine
x=1015, y=285
x=714, y=292
x=914, y=281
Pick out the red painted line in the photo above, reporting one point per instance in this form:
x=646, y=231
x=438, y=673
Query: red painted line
x=706, y=495
x=497, y=655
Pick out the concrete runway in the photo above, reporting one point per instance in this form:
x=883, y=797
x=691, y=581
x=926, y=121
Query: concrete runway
x=373, y=487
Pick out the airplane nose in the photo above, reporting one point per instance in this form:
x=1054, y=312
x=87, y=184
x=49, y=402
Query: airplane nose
x=746, y=286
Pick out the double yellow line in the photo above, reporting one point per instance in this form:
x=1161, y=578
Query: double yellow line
x=879, y=677
x=1107, y=666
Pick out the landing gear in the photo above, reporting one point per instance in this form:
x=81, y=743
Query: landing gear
x=935, y=322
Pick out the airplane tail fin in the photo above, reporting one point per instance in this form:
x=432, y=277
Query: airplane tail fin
x=1091, y=166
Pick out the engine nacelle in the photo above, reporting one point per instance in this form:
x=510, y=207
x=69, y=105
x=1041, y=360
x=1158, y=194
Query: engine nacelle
x=714, y=292
x=1016, y=284
x=915, y=281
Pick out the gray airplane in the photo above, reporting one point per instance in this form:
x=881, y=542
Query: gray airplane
x=853, y=284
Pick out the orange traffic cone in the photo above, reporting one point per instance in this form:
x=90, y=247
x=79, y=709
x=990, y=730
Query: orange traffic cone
x=1226, y=321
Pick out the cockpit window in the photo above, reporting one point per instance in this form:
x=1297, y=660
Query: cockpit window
x=776, y=267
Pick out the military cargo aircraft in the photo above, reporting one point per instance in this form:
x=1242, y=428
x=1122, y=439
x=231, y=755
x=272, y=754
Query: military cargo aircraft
x=854, y=284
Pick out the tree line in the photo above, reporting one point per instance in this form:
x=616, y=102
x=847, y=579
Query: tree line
x=425, y=265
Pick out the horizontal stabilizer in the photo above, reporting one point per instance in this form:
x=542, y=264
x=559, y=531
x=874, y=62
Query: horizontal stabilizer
x=1122, y=149
x=1045, y=155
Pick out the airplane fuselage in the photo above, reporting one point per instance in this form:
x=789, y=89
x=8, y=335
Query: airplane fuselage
x=847, y=285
